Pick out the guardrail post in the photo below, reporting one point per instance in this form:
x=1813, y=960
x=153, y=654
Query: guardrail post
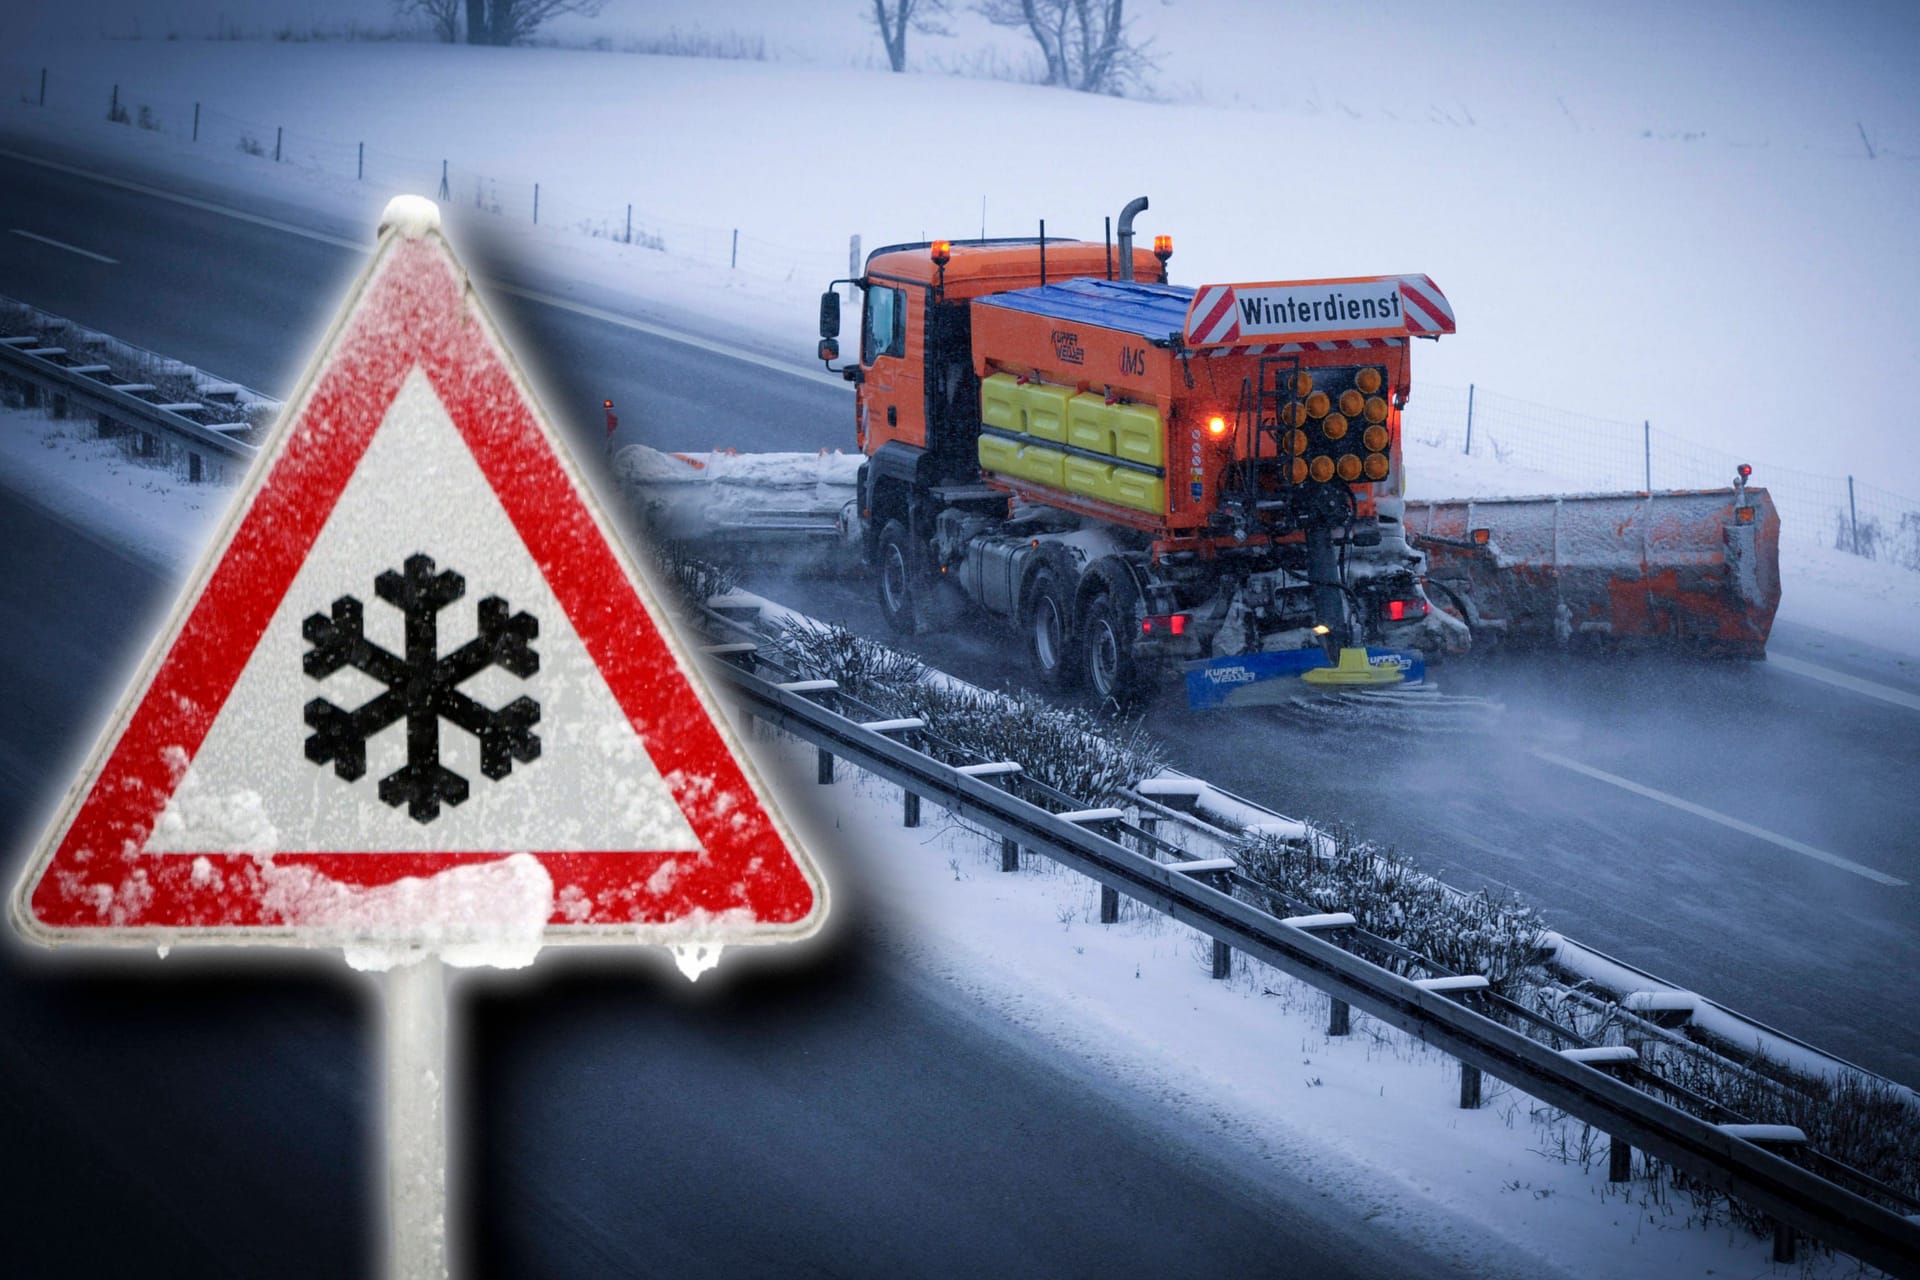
x=1009, y=854
x=194, y=472
x=1109, y=904
x=57, y=406
x=1469, y=1087
x=279, y=131
x=536, y=204
x=43, y=86
x=909, y=809
x=196, y=122
x=1775, y=1138
x=734, y=261
x=30, y=395
x=360, y=164
x=1469, y=449
x=629, y=239
x=1339, y=1017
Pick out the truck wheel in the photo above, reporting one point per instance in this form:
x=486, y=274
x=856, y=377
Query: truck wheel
x=900, y=584
x=1106, y=644
x=1050, y=641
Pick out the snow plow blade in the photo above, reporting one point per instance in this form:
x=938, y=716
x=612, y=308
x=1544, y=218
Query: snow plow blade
x=782, y=506
x=1696, y=569
x=1267, y=679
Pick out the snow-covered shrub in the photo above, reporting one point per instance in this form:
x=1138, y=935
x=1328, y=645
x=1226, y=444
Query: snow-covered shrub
x=881, y=677
x=693, y=580
x=1389, y=896
x=1861, y=1121
x=1087, y=756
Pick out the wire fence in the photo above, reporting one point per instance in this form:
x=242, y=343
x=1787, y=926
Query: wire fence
x=1844, y=513
x=451, y=181
x=1861, y=518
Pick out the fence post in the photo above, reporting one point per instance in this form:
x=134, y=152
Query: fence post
x=1853, y=516
x=629, y=224
x=536, y=204
x=43, y=86
x=113, y=107
x=443, y=181
x=853, y=262
x=1469, y=448
x=1646, y=443
x=196, y=122
x=360, y=164
x=734, y=261
x=279, y=131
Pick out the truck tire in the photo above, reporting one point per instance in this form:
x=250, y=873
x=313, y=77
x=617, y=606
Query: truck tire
x=1106, y=648
x=1047, y=621
x=899, y=579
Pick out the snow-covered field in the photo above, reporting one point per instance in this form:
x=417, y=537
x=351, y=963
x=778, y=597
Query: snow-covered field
x=1637, y=212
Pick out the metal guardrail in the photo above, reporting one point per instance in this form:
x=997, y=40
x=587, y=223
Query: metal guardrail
x=1729, y=1157
x=94, y=389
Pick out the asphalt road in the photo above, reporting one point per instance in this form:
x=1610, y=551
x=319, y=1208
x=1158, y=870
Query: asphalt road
x=839, y=1113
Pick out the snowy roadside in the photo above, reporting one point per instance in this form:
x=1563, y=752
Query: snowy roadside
x=1246, y=1063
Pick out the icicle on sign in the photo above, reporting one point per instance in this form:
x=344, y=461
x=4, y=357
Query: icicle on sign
x=417, y=698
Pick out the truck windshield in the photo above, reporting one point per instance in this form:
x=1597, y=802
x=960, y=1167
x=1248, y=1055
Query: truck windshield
x=884, y=332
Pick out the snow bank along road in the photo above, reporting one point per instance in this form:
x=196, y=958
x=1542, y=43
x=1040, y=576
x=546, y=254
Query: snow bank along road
x=1631, y=850
x=1811, y=762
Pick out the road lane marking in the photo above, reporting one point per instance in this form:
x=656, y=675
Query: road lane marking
x=70, y=248
x=1840, y=680
x=670, y=335
x=532, y=295
x=1725, y=820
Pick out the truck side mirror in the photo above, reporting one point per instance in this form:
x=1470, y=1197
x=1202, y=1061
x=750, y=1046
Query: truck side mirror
x=829, y=314
x=829, y=350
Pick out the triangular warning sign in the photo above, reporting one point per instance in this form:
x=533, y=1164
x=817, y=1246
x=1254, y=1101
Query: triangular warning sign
x=417, y=690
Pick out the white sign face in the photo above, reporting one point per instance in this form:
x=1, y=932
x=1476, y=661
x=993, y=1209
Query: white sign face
x=1310, y=309
x=252, y=787
x=1361, y=310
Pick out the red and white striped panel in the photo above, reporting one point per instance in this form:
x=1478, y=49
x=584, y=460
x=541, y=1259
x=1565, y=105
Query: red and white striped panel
x=1214, y=316
x=1426, y=308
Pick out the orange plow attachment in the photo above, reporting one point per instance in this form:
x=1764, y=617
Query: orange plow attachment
x=1698, y=569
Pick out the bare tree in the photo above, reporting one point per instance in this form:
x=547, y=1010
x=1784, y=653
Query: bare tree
x=442, y=15
x=895, y=18
x=511, y=21
x=1085, y=43
x=476, y=21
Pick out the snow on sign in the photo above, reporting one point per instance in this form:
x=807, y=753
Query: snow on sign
x=416, y=697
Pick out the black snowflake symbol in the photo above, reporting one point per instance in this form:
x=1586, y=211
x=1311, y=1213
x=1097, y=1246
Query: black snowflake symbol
x=422, y=688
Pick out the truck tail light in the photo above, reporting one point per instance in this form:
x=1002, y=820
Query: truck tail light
x=1164, y=624
x=1401, y=610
